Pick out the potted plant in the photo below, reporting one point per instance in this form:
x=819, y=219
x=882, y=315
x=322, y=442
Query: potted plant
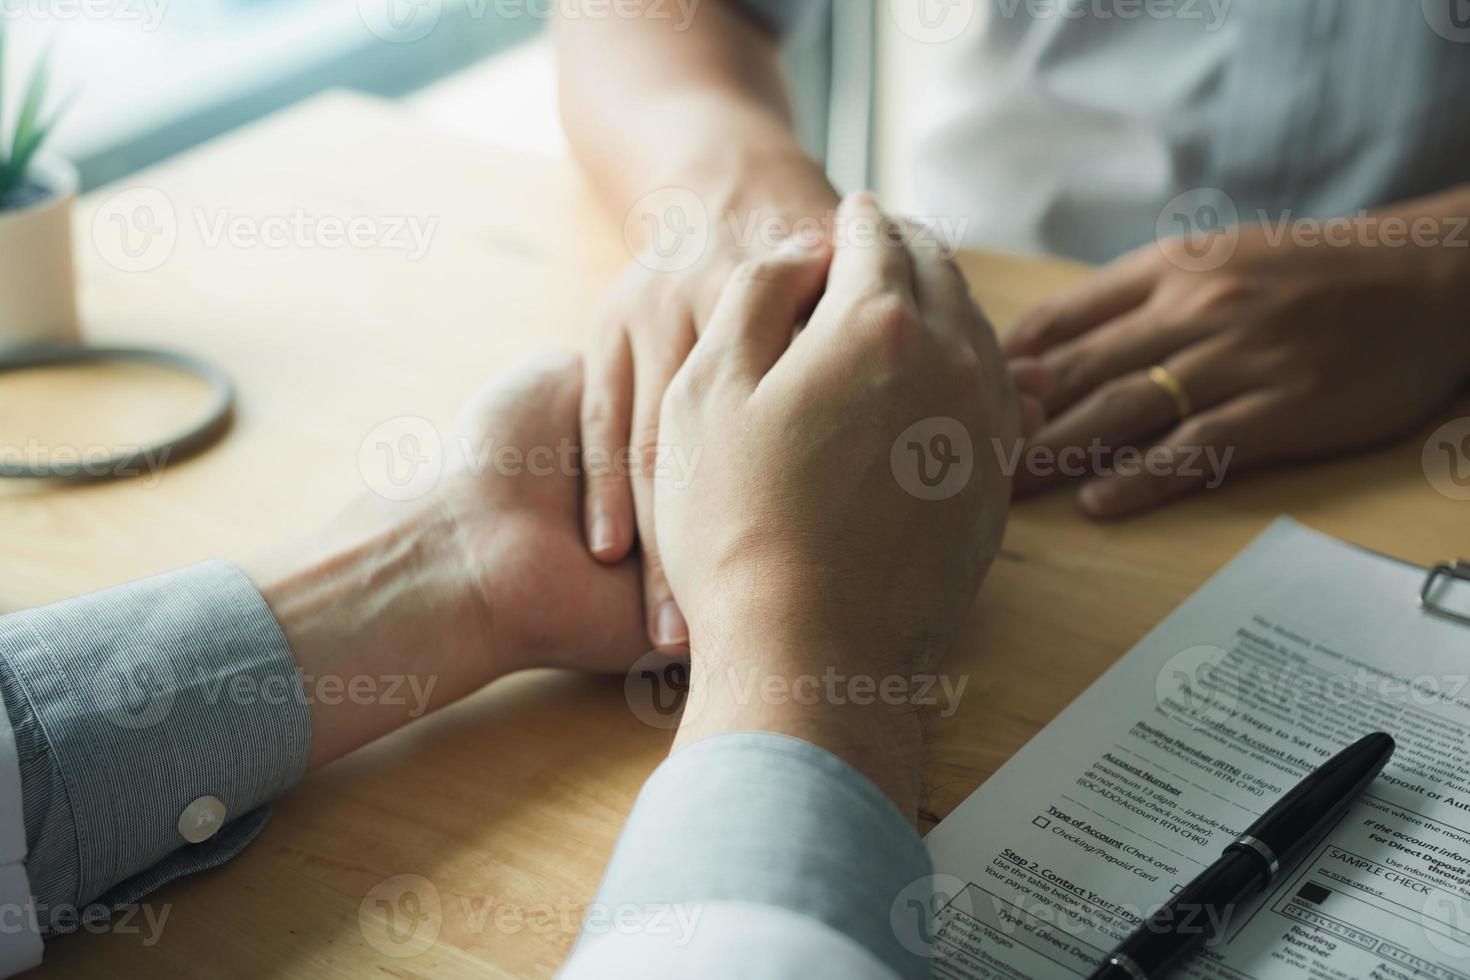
x=37, y=191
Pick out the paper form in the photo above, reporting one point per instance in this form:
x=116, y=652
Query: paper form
x=1298, y=647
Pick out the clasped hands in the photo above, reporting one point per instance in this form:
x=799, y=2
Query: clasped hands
x=791, y=544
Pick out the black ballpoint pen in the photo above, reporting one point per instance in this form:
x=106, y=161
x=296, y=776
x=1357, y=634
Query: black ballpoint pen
x=1249, y=865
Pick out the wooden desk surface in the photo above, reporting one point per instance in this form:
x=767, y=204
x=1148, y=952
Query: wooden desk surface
x=510, y=802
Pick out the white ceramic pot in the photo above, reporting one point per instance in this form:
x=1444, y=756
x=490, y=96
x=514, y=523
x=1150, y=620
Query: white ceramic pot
x=38, y=294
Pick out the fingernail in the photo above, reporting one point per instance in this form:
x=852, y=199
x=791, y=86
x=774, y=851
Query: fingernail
x=601, y=537
x=1098, y=499
x=802, y=244
x=669, y=628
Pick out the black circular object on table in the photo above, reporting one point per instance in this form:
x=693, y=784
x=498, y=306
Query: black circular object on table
x=186, y=443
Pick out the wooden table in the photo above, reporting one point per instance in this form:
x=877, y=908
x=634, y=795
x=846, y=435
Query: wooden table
x=512, y=800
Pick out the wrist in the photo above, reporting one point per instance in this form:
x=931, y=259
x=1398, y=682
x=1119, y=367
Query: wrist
x=864, y=717
x=379, y=618
x=1440, y=264
x=759, y=196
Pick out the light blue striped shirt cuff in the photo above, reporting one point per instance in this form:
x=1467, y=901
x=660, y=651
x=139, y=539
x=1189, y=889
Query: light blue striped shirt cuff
x=774, y=821
x=129, y=705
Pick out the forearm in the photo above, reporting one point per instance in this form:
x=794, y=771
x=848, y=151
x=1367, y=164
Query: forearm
x=650, y=102
x=365, y=609
x=1443, y=239
x=880, y=736
x=1427, y=242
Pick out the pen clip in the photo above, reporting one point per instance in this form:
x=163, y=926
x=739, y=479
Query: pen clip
x=1457, y=570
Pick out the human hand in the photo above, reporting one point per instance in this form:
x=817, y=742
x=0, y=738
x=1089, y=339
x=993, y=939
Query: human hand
x=647, y=326
x=486, y=575
x=798, y=544
x=1286, y=351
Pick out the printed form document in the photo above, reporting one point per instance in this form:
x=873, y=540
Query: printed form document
x=1295, y=649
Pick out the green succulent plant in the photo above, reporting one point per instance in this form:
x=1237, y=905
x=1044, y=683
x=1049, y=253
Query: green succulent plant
x=30, y=129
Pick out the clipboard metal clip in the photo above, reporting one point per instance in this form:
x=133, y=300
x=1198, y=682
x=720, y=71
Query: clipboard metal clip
x=1458, y=570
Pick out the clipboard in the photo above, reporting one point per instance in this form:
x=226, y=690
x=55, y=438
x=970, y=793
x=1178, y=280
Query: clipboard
x=1455, y=571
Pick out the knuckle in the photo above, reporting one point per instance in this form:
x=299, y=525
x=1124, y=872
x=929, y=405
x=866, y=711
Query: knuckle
x=967, y=362
x=603, y=481
x=1222, y=291
x=1202, y=430
x=644, y=436
x=758, y=272
x=892, y=330
x=1042, y=326
x=1117, y=398
x=599, y=411
x=891, y=314
x=652, y=560
x=692, y=384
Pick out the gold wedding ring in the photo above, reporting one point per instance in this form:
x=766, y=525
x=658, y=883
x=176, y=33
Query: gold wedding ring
x=1165, y=379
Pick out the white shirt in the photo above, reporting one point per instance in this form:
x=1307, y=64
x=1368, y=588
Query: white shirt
x=1087, y=128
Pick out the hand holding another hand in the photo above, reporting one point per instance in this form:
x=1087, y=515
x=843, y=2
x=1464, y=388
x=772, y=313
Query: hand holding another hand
x=811, y=534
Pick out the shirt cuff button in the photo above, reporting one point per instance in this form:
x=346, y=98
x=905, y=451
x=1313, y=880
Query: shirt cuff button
x=202, y=819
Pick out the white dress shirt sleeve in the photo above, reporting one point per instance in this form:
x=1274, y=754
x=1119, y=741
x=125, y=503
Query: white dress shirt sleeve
x=20, y=936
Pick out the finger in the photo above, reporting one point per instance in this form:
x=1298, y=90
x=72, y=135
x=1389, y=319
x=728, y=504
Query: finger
x=1126, y=411
x=871, y=254
x=1031, y=377
x=942, y=290
x=655, y=368
x=1110, y=292
x=1119, y=413
x=607, y=419
x=764, y=300
x=1133, y=342
x=1196, y=455
x=1033, y=416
